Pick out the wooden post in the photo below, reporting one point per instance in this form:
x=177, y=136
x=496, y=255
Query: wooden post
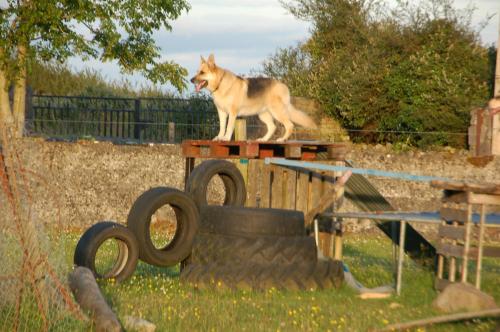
x=465, y=259
x=401, y=255
x=453, y=261
x=240, y=134
x=496, y=90
x=480, y=246
x=171, y=132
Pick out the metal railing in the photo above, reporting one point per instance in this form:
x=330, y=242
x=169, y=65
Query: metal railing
x=134, y=119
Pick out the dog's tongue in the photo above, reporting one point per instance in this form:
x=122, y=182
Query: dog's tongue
x=199, y=86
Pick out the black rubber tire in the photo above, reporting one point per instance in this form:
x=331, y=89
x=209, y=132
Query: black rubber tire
x=325, y=274
x=233, y=220
x=234, y=184
x=272, y=250
x=94, y=237
x=187, y=215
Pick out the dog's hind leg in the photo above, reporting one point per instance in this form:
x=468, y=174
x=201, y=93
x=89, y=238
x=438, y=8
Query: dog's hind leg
x=279, y=112
x=267, y=118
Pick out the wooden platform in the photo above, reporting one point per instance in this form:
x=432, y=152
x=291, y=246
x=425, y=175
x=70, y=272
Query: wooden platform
x=300, y=150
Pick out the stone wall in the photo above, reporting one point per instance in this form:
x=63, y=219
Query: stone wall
x=82, y=183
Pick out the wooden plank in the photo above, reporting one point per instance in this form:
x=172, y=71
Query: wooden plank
x=324, y=242
x=302, y=190
x=480, y=247
x=491, y=252
x=315, y=194
x=453, y=196
x=450, y=214
x=290, y=187
x=327, y=199
x=484, y=199
x=448, y=249
x=292, y=151
x=451, y=232
x=277, y=187
x=265, y=190
x=467, y=248
x=254, y=169
x=480, y=188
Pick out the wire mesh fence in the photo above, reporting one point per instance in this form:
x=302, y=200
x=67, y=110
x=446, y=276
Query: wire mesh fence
x=33, y=291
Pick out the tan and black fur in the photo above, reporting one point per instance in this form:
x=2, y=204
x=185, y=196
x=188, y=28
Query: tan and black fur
x=235, y=96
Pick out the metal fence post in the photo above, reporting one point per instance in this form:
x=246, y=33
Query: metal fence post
x=137, y=119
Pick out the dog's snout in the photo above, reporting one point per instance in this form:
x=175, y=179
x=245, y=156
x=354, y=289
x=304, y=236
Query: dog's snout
x=193, y=79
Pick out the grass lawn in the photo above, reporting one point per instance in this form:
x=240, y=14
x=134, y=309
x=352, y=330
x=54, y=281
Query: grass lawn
x=156, y=295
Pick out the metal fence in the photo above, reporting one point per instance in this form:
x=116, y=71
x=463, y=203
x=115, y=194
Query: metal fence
x=129, y=119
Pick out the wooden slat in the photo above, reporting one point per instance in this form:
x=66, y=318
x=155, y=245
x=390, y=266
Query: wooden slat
x=277, y=187
x=302, y=191
x=254, y=171
x=484, y=199
x=450, y=214
x=480, y=188
x=265, y=189
x=289, y=188
x=325, y=242
x=447, y=249
x=453, y=196
x=491, y=252
x=452, y=232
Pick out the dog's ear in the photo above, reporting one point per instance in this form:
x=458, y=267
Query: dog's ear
x=211, y=61
x=202, y=59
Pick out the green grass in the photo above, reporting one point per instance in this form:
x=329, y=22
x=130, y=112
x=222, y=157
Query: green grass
x=155, y=294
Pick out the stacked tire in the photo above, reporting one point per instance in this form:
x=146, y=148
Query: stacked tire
x=135, y=241
x=251, y=248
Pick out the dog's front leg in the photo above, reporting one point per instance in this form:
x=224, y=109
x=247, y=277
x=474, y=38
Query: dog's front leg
x=230, y=126
x=222, y=125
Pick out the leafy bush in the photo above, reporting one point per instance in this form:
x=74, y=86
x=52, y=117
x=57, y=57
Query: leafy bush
x=389, y=72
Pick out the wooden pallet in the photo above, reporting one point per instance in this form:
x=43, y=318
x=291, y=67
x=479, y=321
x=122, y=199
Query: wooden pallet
x=300, y=150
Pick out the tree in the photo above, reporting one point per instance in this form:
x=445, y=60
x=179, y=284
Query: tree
x=415, y=68
x=120, y=30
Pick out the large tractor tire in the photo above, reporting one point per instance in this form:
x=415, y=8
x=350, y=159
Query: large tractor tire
x=325, y=274
x=231, y=250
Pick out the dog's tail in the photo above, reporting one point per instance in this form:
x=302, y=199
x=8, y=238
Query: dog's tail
x=301, y=118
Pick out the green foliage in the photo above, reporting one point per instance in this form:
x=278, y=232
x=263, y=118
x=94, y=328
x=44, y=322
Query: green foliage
x=119, y=30
x=410, y=69
x=58, y=79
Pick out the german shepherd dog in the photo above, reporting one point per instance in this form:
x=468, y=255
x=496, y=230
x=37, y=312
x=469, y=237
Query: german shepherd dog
x=235, y=96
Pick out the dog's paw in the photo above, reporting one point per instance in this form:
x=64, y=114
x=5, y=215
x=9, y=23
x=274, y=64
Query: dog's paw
x=261, y=139
x=280, y=140
x=225, y=139
x=217, y=138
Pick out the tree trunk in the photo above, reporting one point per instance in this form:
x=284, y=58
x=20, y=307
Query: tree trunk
x=19, y=105
x=6, y=119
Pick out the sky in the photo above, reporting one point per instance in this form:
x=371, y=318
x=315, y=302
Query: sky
x=243, y=33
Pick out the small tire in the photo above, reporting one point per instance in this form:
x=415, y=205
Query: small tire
x=187, y=215
x=95, y=236
x=234, y=184
x=233, y=220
